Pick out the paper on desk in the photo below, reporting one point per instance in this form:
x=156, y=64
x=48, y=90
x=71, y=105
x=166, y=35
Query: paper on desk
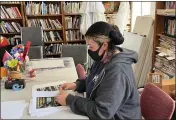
x=33, y=113
x=12, y=109
x=41, y=64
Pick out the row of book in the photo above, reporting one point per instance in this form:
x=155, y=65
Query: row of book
x=45, y=23
x=16, y=40
x=170, y=27
x=41, y=8
x=52, y=36
x=165, y=59
x=73, y=35
x=53, y=49
x=10, y=12
x=9, y=27
x=71, y=7
x=73, y=22
x=170, y=4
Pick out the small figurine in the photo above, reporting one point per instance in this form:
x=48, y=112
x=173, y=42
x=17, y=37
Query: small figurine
x=28, y=67
x=14, y=81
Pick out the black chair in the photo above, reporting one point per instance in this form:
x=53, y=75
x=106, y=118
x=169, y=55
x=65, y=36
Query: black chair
x=79, y=53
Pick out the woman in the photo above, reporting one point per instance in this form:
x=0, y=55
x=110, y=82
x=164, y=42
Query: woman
x=110, y=87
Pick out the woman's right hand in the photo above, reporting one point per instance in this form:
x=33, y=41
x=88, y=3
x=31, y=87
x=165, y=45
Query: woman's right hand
x=69, y=86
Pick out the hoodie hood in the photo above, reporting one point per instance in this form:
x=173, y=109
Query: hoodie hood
x=125, y=56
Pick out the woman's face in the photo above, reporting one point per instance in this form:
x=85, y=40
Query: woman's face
x=93, y=46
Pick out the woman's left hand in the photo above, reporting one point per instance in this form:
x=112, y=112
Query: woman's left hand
x=61, y=98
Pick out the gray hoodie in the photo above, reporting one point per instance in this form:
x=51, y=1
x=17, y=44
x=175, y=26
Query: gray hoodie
x=114, y=95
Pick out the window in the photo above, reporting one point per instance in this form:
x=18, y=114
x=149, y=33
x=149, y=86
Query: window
x=141, y=9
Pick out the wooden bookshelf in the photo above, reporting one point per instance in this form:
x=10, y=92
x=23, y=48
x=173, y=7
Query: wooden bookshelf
x=76, y=41
x=18, y=19
x=48, y=21
x=9, y=4
x=11, y=19
x=15, y=33
x=160, y=29
x=167, y=37
x=72, y=28
x=52, y=29
x=48, y=15
x=72, y=14
x=53, y=42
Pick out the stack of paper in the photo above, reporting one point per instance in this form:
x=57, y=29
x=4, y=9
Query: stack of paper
x=34, y=113
x=43, y=99
x=141, y=41
x=12, y=109
x=165, y=58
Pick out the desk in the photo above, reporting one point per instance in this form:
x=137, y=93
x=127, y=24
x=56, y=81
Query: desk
x=67, y=74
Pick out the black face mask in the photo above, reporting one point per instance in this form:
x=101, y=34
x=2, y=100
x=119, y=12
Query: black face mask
x=94, y=54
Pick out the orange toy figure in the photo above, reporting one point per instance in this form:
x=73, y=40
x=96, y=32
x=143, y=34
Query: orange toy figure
x=3, y=41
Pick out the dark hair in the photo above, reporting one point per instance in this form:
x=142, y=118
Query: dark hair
x=116, y=38
x=104, y=29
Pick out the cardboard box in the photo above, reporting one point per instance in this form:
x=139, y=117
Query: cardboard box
x=167, y=85
x=3, y=72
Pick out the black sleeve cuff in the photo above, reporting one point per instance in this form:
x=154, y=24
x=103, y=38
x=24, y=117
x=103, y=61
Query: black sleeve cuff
x=69, y=99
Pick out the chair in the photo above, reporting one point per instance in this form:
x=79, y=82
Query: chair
x=156, y=104
x=35, y=36
x=35, y=52
x=80, y=71
x=79, y=53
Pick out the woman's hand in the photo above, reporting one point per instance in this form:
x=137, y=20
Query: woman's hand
x=61, y=98
x=68, y=86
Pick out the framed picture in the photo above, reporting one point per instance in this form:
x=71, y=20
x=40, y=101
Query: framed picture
x=109, y=6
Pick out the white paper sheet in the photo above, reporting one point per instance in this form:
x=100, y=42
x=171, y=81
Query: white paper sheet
x=34, y=113
x=44, y=63
x=12, y=109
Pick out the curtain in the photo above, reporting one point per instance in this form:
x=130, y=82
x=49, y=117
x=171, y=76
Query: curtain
x=91, y=12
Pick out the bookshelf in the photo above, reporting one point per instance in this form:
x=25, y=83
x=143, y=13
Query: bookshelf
x=163, y=58
x=72, y=23
x=60, y=21
x=12, y=18
x=48, y=15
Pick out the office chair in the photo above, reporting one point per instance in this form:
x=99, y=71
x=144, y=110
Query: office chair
x=79, y=53
x=156, y=104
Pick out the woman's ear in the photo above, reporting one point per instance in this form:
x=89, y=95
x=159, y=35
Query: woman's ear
x=105, y=46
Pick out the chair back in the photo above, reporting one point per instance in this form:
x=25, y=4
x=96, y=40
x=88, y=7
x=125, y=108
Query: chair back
x=79, y=53
x=156, y=104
